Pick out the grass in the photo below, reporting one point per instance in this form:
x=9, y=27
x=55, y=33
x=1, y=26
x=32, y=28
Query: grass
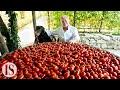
x=116, y=32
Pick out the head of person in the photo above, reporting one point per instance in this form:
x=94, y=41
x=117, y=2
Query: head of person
x=65, y=21
x=38, y=30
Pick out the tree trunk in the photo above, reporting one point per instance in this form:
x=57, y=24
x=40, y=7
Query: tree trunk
x=3, y=46
x=48, y=20
x=101, y=21
x=74, y=17
x=34, y=20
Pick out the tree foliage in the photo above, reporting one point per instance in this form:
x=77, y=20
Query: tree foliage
x=13, y=43
x=101, y=20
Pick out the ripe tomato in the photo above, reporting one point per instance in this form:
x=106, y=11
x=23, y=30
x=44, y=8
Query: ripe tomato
x=61, y=77
x=66, y=75
x=57, y=55
x=82, y=74
x=110, y=69
x=114, y=74
x=113, y=77
x=35, y=75
x=118, y=77
x=115, y=68
x=82, y=68
x=90, y=77
x=26, y=72
x=76, y=56
x=77, y=77
x=85, y=77
x=71, y=77
x=36, y=69
x=20, y=76
x=28, y=76
x=101, y=75
x=27, y=59
x=54, y=75
x=77, y=72
x=55, y=68
x=50, y=60
x=95, y=76
x=47, y=72
x=14, y=77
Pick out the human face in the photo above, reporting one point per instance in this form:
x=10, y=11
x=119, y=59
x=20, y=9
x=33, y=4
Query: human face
x=37, y=33
x=64, y=22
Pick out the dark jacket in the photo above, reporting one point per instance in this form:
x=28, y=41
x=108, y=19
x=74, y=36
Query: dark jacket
x=43, y=37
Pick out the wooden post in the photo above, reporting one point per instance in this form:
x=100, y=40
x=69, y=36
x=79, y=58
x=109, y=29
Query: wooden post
x=34, y=20
x=74, y=17
x=103, y=13
x=48, y=20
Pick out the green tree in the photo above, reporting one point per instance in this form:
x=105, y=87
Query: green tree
x=13, y=43
x=99, y=20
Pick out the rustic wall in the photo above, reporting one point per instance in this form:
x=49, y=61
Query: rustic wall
x=101, y=41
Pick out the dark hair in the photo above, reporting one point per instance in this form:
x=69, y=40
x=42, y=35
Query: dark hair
x=40, y=28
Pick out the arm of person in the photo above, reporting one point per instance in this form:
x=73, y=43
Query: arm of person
x=51, y=32
x=75, y=37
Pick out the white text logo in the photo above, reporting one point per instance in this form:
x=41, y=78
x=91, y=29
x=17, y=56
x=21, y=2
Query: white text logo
x=9, y=69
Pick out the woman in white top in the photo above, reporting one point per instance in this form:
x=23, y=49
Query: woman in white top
x=66, y=33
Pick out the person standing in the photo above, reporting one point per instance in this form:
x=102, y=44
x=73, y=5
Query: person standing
x=67, y=32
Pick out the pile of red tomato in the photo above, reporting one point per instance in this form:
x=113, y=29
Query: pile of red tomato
x=61, y=60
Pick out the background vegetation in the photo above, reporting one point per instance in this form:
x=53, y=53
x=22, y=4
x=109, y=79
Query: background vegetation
x=92, y=21
x=95, y=21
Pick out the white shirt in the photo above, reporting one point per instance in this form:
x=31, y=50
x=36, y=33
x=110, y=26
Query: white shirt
x=65, y=36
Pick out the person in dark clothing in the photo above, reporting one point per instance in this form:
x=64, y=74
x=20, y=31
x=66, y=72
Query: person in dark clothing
x=41, y=35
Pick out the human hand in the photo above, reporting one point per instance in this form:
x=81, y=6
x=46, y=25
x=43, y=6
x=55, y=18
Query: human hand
x=71, y=41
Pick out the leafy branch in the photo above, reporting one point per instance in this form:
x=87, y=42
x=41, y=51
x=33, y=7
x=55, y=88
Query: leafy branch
x=13, y=43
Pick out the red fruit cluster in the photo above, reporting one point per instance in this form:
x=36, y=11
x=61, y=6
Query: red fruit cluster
x=60, y=60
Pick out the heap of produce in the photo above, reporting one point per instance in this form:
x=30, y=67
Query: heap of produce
x=61, y=60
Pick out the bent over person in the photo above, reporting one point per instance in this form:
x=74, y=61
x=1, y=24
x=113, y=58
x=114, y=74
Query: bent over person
x=41, y=35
